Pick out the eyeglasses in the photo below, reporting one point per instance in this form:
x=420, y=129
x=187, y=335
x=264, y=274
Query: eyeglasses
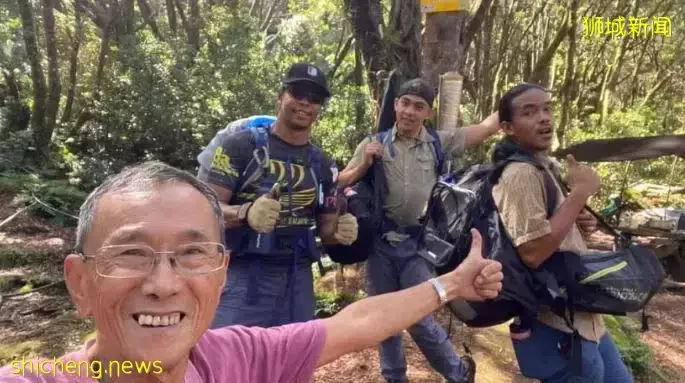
x=135, y=261
x=300, y=92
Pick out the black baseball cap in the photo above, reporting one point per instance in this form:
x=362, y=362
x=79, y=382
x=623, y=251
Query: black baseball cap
x=418, y=87
x=306, y=72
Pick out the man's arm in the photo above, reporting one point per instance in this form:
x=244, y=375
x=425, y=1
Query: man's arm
x=352, y=173
x=537, y=251
x=221, y=164
x=521, y=201
x=480, y=132
x=361, y=161
x=369, y=321
x=232, y=213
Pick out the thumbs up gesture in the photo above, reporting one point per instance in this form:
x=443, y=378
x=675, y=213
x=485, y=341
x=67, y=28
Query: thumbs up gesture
x=582, y=178
x=347, y=227
x=265, y=211
x=480, y=278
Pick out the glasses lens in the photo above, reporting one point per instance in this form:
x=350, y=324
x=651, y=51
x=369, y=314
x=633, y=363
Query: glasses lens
x=131, y=261
x=199, y=258
x=301, y=92
x=124, y=261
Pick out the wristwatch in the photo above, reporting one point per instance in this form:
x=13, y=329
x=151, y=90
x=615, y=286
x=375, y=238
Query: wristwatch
x=440, y=289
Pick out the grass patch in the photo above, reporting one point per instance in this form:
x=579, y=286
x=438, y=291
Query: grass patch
x=27, y=349
x=636, y=354
x=11, y=257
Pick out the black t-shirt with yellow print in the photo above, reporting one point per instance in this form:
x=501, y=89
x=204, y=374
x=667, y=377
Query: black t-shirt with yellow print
x=228, y=161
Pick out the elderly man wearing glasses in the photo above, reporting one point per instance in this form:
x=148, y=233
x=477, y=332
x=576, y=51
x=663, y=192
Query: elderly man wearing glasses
x=150, y=274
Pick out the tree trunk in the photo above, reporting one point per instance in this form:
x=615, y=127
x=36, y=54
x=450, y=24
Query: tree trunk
x=37, y=77
x=73, y=59
x=55, y=88
x=128, y=14
x=569, y=76
x=171, y=15
x=366, y=19
x=104, y=50
x=542, y=63
x=194, y=26
x=446, y=38
x=443, y=50
x=360, y=109
x=149, y=19
x=612, y=74
x=405, y=44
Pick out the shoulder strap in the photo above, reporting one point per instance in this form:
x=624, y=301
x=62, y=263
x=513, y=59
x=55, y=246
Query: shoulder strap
x=261, y=136
x=552, y=193
x=438, y=152
x=385, y=138
x=549, y=184
x=315, y=162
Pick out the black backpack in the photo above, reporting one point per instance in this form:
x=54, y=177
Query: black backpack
x=615, y=283
x=365, y=201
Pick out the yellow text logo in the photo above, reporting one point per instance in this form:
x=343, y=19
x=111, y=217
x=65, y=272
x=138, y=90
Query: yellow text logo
x=84, y=369
x=620, y=27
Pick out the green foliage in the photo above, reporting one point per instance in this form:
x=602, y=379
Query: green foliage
x=636, y=354
x=328, y=303
x=62, y=198
x=14, y=149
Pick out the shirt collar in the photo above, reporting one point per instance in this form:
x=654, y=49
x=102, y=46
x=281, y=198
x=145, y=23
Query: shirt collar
x=423, y=136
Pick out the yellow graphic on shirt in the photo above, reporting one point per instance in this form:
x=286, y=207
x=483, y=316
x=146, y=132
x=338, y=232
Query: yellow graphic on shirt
x=303, y=191
x=222, y=163
x=301, y=197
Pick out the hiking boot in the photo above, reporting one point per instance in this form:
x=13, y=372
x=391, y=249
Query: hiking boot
x=470, y=365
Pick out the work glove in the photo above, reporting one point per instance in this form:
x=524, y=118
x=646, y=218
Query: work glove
x=346, y=230
x=263, y=214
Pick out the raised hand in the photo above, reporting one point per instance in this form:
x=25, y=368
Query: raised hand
x=480, y=278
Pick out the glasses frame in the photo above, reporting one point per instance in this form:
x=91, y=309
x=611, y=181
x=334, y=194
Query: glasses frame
x=223, y=253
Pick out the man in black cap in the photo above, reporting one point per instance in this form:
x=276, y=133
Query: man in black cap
x=272, y=219
x=412, y=158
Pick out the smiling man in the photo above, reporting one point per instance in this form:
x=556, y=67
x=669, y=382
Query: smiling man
x=149, y=270
x=409, y=156
x=272, y=238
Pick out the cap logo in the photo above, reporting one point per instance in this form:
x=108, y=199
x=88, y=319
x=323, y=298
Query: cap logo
x=312, y=71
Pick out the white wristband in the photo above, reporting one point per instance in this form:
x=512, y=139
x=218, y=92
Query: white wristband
x=440, y=289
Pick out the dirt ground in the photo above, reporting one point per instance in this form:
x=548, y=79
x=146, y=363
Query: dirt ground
x=492, y=348
x=42, y=321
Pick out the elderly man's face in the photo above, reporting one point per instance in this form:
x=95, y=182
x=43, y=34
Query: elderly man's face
x=169, y=216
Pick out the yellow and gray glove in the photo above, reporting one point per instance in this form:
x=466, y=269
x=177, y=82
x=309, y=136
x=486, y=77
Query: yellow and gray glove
x=263, y=214
x=346, y=231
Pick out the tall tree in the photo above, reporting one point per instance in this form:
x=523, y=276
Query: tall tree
x=37, y=77
x=54, y=88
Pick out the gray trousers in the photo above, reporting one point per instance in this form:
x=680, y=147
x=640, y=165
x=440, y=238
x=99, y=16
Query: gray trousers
x=393, y=268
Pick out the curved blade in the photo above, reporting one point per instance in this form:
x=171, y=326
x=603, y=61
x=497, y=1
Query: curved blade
x=625, y=149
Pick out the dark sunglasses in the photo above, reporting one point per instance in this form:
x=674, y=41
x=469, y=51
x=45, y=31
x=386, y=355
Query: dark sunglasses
x=300, y=92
